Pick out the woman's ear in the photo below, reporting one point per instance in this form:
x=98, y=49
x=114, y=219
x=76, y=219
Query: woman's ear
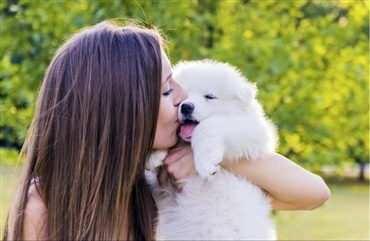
x=248, y=92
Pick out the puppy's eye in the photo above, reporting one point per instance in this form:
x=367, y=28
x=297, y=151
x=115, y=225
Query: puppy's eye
x=210, y=97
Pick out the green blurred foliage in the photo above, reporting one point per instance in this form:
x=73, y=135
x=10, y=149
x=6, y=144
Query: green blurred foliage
x=310, y=60
x=9, y=156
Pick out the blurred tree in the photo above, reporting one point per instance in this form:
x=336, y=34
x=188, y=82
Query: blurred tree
x=30, y=34
x=310, y=61
x=308, y=58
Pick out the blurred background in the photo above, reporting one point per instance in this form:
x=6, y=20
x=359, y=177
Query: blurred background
x=310, y=60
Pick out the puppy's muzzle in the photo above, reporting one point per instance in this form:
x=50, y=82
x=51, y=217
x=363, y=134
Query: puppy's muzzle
x=187, y=108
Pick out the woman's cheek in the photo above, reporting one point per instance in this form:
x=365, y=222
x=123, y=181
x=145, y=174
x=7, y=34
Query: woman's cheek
x=166, y=132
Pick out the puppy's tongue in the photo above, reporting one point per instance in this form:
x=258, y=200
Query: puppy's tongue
x=187, y=130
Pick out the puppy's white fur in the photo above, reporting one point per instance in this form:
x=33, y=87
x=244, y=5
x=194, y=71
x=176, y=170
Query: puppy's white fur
x=231, y=126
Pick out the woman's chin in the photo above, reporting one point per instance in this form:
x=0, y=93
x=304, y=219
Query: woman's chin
x=173, y=142
x=166, y=144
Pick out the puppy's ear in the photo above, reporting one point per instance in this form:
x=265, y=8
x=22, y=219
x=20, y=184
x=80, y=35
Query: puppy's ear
x=248, y=92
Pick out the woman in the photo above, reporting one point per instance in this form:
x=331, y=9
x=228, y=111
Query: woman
x=108, y=99
x=94, y=127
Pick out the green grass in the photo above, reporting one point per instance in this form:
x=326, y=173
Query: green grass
x=345, y=216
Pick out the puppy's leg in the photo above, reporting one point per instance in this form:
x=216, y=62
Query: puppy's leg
x=208, y=150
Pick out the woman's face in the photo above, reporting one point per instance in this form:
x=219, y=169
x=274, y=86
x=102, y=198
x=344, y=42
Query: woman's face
x=171, y=96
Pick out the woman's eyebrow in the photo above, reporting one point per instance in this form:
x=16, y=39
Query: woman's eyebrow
x=168, y=78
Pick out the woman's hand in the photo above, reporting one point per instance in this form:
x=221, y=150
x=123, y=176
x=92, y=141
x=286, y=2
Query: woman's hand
x=178, y=165
x=290, y=186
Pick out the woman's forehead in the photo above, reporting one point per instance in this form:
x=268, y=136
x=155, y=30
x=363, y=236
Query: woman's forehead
x=166, y=68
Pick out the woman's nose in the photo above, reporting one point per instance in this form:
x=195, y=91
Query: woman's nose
x=181, y=95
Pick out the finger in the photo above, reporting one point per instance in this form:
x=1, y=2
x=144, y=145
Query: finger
x=176, y=184
x=175, y=170
x=181, y=169
x=172, y=181
x=179, y=148
x=162, y=176
x=176, y=154
x=171, y=158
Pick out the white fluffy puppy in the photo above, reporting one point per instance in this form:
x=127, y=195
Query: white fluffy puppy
x=223, y=120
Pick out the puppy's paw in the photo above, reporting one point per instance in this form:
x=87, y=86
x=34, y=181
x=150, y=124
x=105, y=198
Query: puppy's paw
x=207, y=162
x=155, y=159
x=206, y=170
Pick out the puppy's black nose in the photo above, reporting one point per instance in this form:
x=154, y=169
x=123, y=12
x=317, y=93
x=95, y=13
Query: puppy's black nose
x=187, y=108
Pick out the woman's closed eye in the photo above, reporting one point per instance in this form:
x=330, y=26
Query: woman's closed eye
x=167, y=93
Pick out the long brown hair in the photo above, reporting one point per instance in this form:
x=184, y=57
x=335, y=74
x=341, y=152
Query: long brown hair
x=92, y=133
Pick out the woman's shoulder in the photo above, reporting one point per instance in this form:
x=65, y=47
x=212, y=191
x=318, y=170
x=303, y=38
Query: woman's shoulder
x=35, y=202
x=34, y=215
